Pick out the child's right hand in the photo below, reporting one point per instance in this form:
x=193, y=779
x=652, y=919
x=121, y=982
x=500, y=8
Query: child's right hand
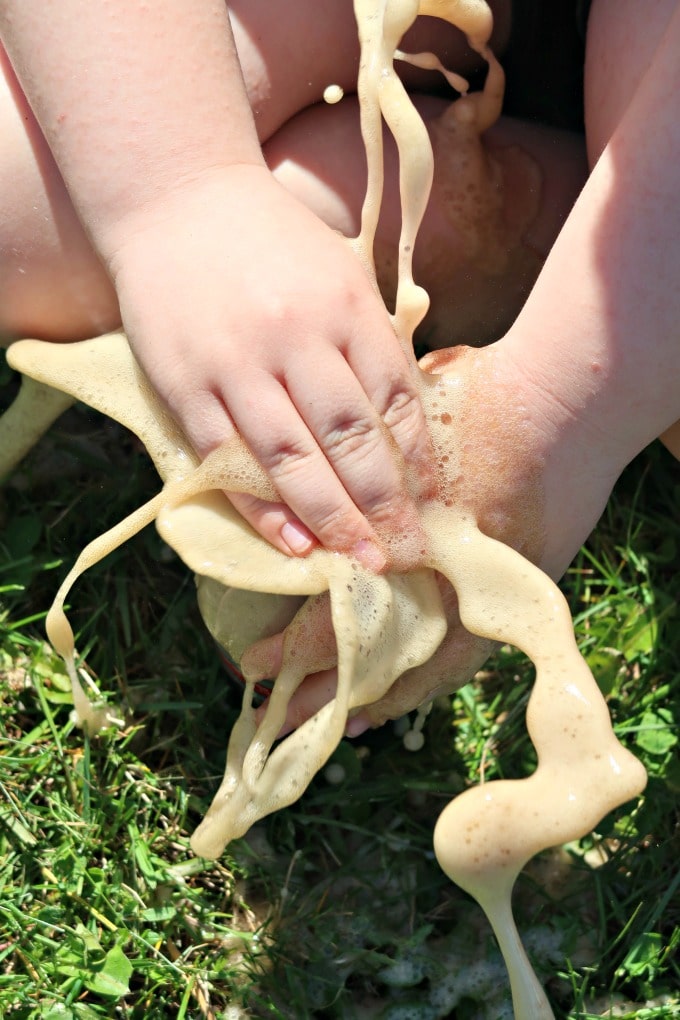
x=247, y=312
x=243, y=308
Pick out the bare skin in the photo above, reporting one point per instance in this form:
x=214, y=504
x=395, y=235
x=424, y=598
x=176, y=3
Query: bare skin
x=151, y=178
x=56, y=282
x=616, y=261
x=318, y=156
x=605, y=382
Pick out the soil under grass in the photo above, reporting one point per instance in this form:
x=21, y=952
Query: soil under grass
x=334, y=908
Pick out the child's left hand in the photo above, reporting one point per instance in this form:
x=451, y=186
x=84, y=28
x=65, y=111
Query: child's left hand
x=528, y=473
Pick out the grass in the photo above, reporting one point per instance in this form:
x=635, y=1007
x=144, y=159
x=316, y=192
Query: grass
x=334, y=908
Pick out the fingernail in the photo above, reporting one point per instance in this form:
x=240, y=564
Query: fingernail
x=369, y=555
x=297, y=538
x=356, y=726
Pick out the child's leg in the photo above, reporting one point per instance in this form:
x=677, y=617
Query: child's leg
x=51, y=283
x=289, y=58
x=614, y=28
x=53, y=286
x=494, y=213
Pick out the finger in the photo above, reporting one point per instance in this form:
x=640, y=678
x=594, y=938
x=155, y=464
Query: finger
x=202, y=415
x=305, y=474
x=282, y=443
x=362, y=450
x=208, y=425
x=351, y=433
x=276, y=523
x=263, y=660
x=357, y=724
x=389, y=380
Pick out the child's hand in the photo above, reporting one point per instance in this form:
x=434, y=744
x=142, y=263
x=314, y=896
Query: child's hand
x=533, y=473
x=246, y=311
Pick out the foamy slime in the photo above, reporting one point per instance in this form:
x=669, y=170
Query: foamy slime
x=374, y=628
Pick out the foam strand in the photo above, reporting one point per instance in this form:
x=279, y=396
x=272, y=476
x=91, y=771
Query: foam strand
x=35, y=408
x=529, y=1001
x=376, y=642
x=258, y=782
x=381, y=25
x=58, y=628
x=485, y=837
x=207, y=475
x=431, y=62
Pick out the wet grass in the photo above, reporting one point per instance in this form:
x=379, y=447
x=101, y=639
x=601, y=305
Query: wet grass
x=334, y=908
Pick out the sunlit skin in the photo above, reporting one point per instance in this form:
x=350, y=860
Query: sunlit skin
x=495, y=588
x=53, y=284
x=383, y=625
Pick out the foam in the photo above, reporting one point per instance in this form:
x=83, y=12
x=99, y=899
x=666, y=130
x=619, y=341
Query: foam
x=393, y=636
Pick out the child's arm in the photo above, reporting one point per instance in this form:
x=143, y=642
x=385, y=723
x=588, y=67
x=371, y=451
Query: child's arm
x=598, y=337
x=243, y=308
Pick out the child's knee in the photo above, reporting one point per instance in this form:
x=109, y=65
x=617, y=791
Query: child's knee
x=52, y=285
x=479, y=250
x=288, y=60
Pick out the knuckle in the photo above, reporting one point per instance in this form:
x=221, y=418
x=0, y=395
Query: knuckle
x=280, y=310
x=298, y=471
x=403, y=410
x=248, y=506
x=288, y=457
x=336, y=526
x=347, y=437
x=337, y=529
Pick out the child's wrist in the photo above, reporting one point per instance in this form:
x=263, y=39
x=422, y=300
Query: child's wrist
x=581, y=396
x=144, y=212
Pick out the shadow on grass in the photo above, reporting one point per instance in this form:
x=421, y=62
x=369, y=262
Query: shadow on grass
x=334, y=908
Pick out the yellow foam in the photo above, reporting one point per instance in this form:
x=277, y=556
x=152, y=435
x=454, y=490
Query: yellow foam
x=386, y=634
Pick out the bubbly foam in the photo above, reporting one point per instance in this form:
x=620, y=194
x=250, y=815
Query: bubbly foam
x=393, y=637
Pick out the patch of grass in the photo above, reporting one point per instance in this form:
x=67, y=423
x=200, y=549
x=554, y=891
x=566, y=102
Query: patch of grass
x=334, y=908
